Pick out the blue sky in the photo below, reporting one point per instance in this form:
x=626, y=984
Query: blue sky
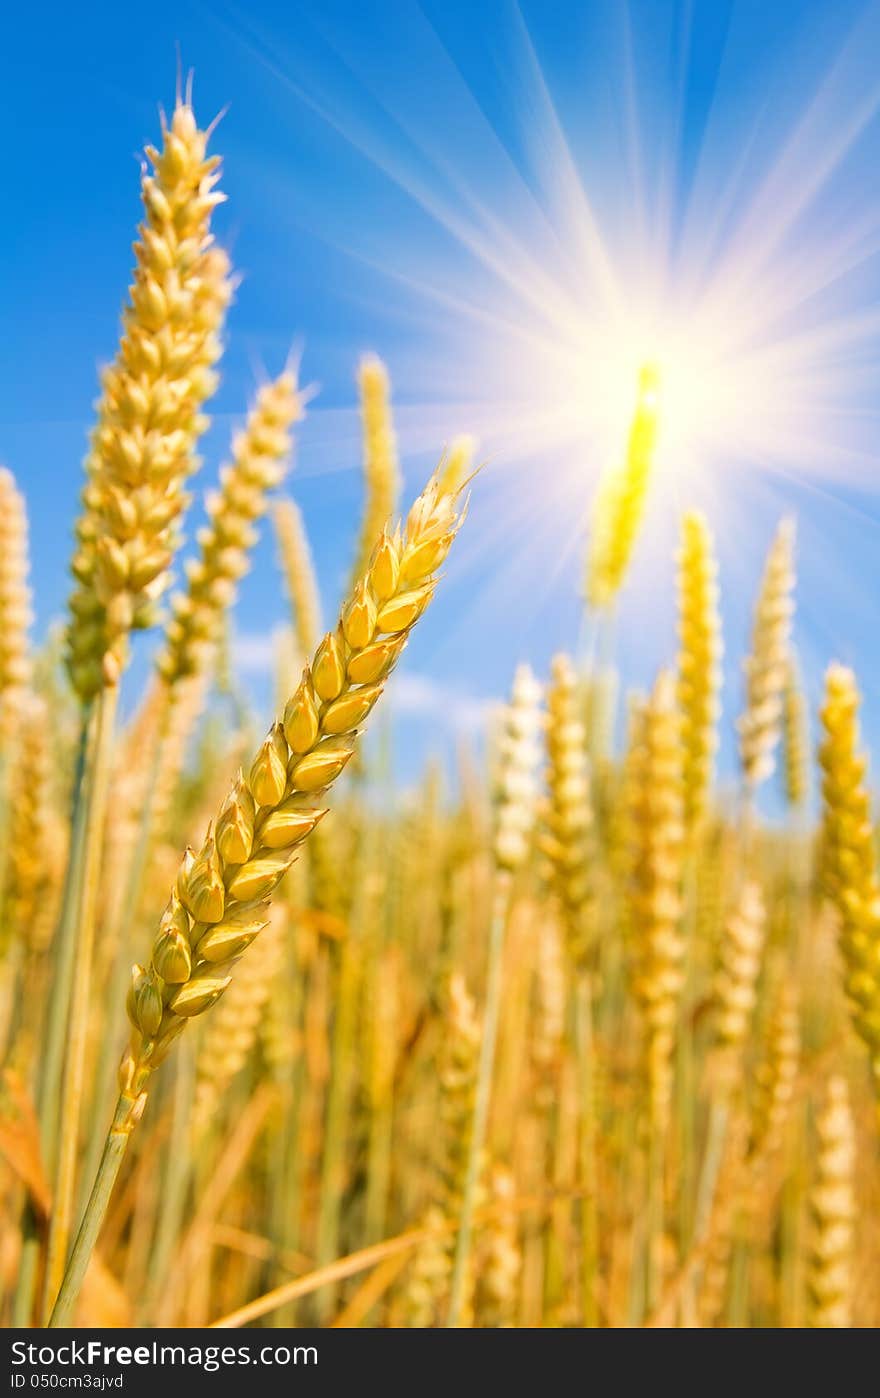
x=449, y=185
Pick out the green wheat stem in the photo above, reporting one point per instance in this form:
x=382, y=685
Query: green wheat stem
x=96, y=1211
x=73, y=1077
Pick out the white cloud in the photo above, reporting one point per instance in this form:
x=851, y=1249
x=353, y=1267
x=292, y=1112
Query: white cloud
x=424, y=697
x=254, y=653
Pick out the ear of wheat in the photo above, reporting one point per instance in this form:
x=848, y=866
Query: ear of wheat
x=657, y=862
x=150, y=413
x=220, y=900
x=850, y=855
x=381, y=471
x=258, y=455
x=569, y=840
x=699, y=677
x=302, y=585
x=766, y=667
x=621, y=499
x=834, y=1213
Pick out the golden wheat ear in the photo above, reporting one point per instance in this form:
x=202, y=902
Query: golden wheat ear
x=851, y=856
x=220, y=900
x=381, y=469
x=765, y=668
x=833, y=1205
x=150, y=412
x=699, y=662
x=258, y=456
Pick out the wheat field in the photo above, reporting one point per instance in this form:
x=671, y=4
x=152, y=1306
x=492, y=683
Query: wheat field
x=564, y=1038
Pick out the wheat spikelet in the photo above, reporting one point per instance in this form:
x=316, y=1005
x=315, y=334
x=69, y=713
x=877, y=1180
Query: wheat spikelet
x=850, y=855
x=620, y=500
x=736, y=981
x=15, y=604
x=834, y=1213
x=220, y=901
x=501, y=1257
x=258, y=456
x=381, y=471
x=518, y=755
x=766, y=666
x=568, y=839
x=657, y=831
x=299, y=570
x=699, y=661
x=149, y=415
x=795, y=737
